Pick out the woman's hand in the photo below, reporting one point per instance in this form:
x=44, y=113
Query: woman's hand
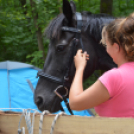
x=80, y=60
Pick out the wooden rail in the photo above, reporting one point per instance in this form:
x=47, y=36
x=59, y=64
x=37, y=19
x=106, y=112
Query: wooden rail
x=69, y=124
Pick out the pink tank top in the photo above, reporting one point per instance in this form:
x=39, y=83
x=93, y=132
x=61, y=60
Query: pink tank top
x=120, y=85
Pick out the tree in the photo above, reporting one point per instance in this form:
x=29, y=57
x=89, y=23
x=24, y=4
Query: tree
x=37, y=27
x=106, y=6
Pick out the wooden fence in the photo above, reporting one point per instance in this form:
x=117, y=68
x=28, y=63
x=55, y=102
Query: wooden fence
x=69, y=124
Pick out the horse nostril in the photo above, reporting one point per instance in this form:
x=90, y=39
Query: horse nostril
x=39, y=100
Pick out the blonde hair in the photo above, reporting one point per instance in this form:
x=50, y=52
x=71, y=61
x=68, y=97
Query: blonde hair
x=103, y=33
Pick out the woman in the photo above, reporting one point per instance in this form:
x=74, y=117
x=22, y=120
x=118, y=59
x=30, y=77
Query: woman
x=112, y=94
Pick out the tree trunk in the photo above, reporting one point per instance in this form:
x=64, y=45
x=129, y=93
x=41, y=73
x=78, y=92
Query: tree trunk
x=106, y=6
x=60, y=8
x=23, y=3
x=38, y=29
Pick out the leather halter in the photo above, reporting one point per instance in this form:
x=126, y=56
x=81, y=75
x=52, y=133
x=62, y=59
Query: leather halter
x=74, y=43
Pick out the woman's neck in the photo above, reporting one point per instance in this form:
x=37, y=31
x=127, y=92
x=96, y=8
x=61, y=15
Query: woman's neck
x=121, y=62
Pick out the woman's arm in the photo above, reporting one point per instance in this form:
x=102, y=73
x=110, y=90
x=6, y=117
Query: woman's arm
x=93, y=96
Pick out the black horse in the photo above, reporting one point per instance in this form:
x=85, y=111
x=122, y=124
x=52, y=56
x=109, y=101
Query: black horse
x=61, y=32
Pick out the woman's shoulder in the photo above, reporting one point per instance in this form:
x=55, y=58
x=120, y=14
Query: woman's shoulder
x=113, y=71
x=112, y=75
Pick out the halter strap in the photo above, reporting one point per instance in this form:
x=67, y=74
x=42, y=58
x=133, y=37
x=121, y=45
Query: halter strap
x=49, y=77
x=71, y=29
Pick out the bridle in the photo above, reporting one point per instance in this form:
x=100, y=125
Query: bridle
x=73, y=45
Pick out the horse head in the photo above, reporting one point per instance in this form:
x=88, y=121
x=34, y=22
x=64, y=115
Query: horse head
x=65, y=39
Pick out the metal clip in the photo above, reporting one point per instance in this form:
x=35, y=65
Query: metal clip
x=58, y=94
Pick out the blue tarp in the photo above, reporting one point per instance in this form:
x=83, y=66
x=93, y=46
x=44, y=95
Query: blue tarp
x=14, y=89
x=15, y=92
x=4, y=96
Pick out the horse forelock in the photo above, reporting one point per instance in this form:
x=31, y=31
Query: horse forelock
x=53, y=30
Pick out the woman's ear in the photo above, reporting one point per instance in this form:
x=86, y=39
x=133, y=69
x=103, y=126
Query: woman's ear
x=116, y=47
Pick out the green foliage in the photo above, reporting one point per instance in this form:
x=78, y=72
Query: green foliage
x=86, y=5
x=16, y=38
x=18, y=32
x=122, y=8
x=88, y=82
x=36, y=59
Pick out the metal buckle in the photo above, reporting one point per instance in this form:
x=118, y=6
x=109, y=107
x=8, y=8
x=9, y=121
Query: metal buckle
x=58, y=94
x=66, y=78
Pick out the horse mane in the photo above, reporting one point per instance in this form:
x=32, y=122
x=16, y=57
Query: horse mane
x=93, y=25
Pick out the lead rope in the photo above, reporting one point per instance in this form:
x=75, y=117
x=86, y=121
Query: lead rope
x=41, y=120
x=21, y=130
x=29, y=123
x=54, y=121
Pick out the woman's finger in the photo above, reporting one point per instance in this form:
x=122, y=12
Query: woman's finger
x=79, y=51
x=87, y=55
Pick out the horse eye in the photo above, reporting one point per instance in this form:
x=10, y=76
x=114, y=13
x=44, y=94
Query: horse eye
x=60, y=48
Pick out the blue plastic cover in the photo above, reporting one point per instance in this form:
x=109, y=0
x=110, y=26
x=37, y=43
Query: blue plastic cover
x=20, y=92
x=4, y=96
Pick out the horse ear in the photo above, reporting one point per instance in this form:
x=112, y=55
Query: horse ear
x=67, y=11
x=73, y=6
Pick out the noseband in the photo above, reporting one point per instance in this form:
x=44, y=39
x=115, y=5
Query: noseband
x=74, y=43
